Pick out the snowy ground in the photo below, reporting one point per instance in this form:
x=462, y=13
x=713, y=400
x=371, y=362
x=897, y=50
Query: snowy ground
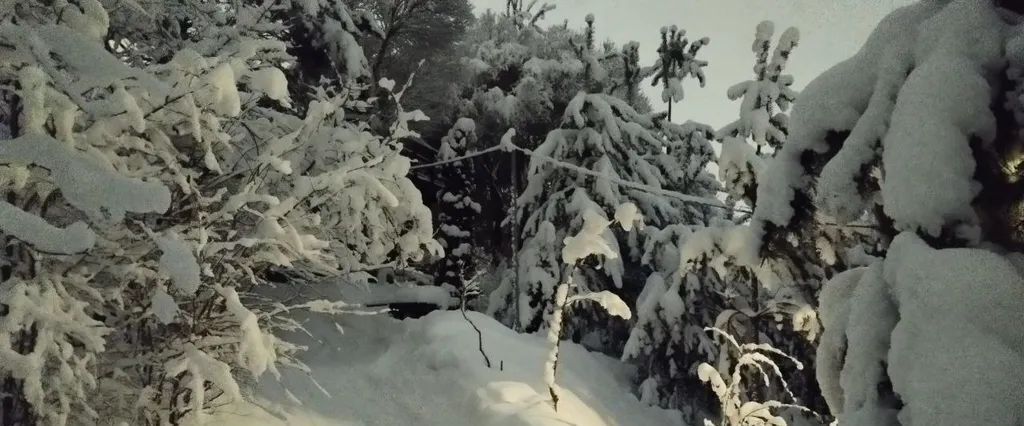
x=428, y=371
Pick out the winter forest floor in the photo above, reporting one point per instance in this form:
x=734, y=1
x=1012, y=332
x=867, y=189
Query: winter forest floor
x=428, y=371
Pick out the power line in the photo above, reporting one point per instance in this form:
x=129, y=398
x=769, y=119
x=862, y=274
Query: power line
x=508, y=146
x=711, y=202
x=457, y=159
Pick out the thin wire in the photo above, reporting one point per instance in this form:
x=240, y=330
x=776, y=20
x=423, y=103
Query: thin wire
x=508, y=146
x=710, y=202
x=457, y=159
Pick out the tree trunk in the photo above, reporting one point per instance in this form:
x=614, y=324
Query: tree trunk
x=378, y=59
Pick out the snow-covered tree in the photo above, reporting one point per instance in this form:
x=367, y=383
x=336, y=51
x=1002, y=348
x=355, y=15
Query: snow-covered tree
x=710, y=276
x=458, y=211
x=150, y=201
x=762, y=124
x=677, y=60
x=316, y=43
x=421, y=37
x=765, y=99
x=747, y=144
x=516, y=75
x=676, y=300
x=917, y=136
x=606, y=154
x=520, y=76
x=590, y=241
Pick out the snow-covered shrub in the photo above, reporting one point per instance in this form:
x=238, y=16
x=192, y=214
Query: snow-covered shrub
x=63, y=187
x=149, y=205
x=734, y=396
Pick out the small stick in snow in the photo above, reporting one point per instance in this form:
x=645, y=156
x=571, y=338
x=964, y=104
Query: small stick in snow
x=479, y=335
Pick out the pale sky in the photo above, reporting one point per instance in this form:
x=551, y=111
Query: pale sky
x=830, y=30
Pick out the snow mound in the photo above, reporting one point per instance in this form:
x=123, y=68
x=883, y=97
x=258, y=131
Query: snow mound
x=382, y=371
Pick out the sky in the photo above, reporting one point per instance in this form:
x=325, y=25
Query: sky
x=830, y=30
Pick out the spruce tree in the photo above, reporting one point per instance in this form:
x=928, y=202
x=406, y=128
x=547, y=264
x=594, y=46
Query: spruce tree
x=457, y=211
x=911, y=148
x=718, y=281
x=677, y=60
x=606, y=154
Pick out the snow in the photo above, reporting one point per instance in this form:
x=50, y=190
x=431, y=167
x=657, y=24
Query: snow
x=272, y=82
x=256, y=351
x=334, y=28
x=944, y=323
x=628, y=215
x=608, y=301
x=927, y=156
x=387, y=84
x=223, y=90
x=203, y=368
x=345, y=46
x=590, y=240
x=179, y=263
x=738, y=166
x=391, y=293
x=165, y=309
x=85, y=182
x=88, y=17
x=542, y=155
x=838, y=193
x=387, y=372
x=975, y=347
x=554, y=337
x=465, y=125
x=871, y=316
x=769, y=89
x=834, y=101
x=56, y=362
x=75, y=238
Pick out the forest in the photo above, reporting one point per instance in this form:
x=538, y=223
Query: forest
x=444, y=212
